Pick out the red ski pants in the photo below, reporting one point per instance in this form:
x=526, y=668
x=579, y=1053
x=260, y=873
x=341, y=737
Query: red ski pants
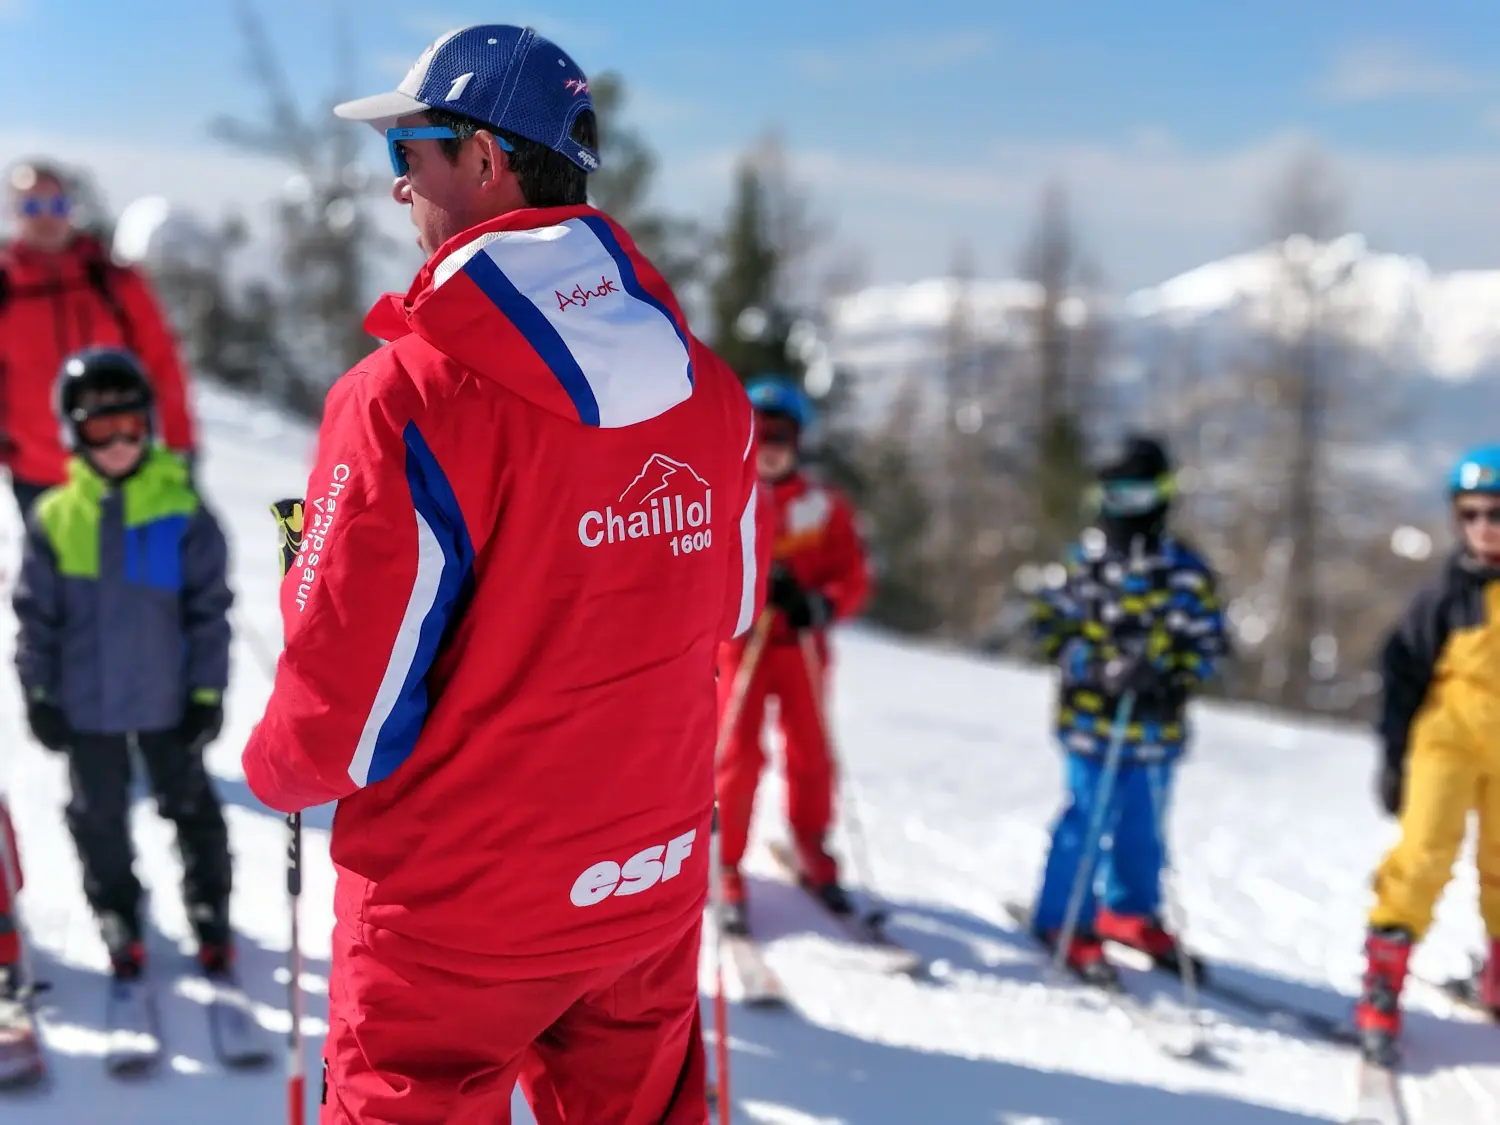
x=415, y=1044
x=10, y=922
x=782, y=673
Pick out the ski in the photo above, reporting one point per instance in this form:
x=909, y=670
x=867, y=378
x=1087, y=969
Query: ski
x=22, y=1061
x=134, y=1041
x=239, y=1042
x=867, y=930
x=1377, y=1095
x=760, y=987
x=1319, y=1025
x=1113, y=989
x=1462, y=991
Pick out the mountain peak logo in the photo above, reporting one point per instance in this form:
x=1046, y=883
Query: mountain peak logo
x=668, y=497
x=656, y=477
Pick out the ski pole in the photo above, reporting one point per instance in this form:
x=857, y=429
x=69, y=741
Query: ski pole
x=744, y=675
x=859, y=852
x=1103, y=793
x=721, y=1003
x=296, y=1077
x=1176, y=916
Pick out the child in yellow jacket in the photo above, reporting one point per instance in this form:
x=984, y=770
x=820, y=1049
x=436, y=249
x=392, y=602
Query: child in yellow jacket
x=1440, y=731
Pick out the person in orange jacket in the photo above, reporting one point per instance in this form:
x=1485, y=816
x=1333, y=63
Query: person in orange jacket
x=819, y=574
x=60, y=293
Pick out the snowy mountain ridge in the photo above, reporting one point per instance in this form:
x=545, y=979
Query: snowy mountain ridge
x=1444, y=324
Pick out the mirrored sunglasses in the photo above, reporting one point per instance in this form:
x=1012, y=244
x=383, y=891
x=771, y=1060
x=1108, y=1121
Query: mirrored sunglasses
x=394, y=139
x=34, y=206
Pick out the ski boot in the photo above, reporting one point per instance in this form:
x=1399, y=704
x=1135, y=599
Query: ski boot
x=1145, y=933
x=733, y=919
x=1377, y=1015
x=1085, y=958
x=1487, y=985
x=833, y=897
x=215, y=941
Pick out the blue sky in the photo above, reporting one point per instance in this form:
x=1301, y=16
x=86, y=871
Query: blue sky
x=917, y=127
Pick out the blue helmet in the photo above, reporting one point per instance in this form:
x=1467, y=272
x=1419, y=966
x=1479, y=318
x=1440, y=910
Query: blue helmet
x=1478, y=470
x=781, y=394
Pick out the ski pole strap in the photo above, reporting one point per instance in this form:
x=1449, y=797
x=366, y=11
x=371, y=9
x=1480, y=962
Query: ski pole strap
x=288, y=514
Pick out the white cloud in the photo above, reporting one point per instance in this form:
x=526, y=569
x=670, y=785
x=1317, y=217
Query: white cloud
x=1381, y=69
x=893, y=54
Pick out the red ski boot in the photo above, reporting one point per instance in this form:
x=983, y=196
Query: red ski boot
x=1143, y=932
x=1488, y=984
x=1377, y=1016
x=1085, y=959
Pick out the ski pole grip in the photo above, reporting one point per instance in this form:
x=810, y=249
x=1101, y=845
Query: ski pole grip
x=294, y=855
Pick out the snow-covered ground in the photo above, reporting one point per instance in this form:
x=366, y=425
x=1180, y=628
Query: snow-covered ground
x=956, y=778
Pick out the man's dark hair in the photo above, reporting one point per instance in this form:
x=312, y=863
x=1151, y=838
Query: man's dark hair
x=547, y=178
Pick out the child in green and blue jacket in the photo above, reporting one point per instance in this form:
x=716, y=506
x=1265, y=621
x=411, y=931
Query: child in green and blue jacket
x=123, y=605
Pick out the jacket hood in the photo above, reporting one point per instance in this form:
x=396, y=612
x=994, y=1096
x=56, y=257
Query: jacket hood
x=558, y=305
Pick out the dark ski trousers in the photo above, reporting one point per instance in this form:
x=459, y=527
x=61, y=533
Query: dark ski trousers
x=99, y=819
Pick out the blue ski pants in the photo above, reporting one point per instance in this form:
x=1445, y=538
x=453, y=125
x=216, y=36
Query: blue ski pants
x=1125, y=871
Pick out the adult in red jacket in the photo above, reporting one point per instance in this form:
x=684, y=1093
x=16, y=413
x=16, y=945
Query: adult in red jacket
x=60, y=294
x=531, y=523
x=818, y=575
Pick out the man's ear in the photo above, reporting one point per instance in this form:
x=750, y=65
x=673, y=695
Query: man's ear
x=495, y=161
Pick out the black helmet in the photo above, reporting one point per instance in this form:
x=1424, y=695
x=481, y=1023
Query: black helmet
x=1134, y=457
x=100, y=370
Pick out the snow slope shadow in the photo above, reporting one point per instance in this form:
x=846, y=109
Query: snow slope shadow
x=788, y=1069
x=189, y=1079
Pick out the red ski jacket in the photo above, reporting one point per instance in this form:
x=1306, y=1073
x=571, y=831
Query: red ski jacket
x=532, y=521
x=815, y=537
x=52, y=305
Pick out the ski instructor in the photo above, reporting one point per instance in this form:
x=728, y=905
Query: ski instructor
x=531, y=523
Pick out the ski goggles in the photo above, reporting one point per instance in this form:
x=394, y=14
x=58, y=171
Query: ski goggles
x=394, y=139
x=1132, y=497
x=35, y=206
x=775, y=429
x=99, y=430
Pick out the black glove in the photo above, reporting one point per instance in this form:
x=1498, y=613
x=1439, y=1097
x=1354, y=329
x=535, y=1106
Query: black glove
x=48, y=724
x=1392, y=783
x=803, y=609
x=1134, y=673
x=202, y=720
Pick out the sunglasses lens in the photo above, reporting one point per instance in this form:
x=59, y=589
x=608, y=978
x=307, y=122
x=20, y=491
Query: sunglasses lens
x=56, y=205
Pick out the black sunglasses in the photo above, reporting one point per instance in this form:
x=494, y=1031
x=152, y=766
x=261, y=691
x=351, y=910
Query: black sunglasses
x=1490, y=515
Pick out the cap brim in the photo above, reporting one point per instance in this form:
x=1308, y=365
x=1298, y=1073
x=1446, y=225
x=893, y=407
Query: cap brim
x=379, y=109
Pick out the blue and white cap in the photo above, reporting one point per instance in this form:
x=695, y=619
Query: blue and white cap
x=506, y=76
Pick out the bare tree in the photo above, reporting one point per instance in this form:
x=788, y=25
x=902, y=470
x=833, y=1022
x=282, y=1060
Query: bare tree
x=326, y=231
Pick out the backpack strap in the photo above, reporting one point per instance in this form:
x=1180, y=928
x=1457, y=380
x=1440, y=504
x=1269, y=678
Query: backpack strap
x=100, y=275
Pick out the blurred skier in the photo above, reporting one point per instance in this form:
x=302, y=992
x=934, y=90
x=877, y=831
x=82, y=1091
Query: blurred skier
x=531, y=522
x=818, y=575
x=10, y=918
x=1132, y=611
x=128, y=542
x=60, y=293
x=1439, y=728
